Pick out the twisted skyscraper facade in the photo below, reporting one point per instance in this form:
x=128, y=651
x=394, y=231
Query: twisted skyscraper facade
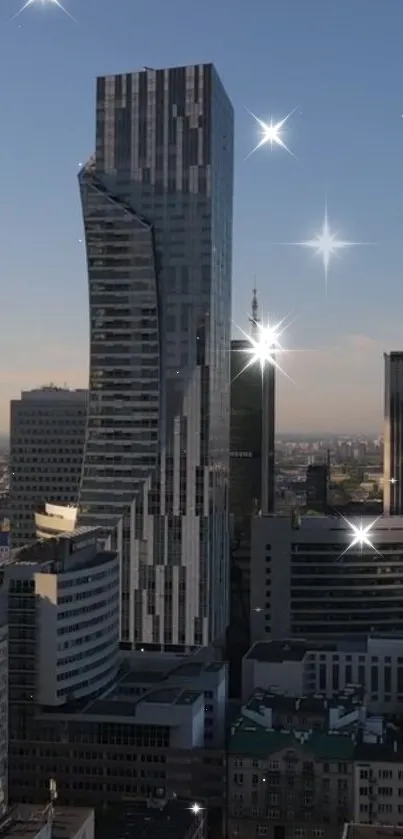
x=157, y=205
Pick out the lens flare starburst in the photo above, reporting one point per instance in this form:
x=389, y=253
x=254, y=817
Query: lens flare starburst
x=326, y=244
x=361, y=536
x=264, y=346
x=196, y=808
x=43, y=3
x=271, y=133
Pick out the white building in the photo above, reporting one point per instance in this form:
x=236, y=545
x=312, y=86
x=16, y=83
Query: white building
x=55, y=519
x=195, y=673
x=69, y=590
x=298, y=668
x=309, y=581
x=47, y=430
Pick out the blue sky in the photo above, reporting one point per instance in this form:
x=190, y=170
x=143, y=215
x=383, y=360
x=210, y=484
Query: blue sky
x=339, y=61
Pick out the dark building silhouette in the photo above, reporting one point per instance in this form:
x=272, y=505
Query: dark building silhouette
x=245, y=492
x=316, y=486
x=393, y=435
x=245, y=438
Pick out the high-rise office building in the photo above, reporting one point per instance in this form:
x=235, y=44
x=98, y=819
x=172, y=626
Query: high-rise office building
x=157, y=204
x=47, y=432
x=309, y=581
x=393, y=435
x=245, y=438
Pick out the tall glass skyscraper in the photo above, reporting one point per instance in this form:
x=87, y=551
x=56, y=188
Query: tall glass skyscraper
x=157, y=203
x=393, y=435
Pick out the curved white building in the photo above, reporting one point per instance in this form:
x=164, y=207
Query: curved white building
x=55, y=519
x=66, y=591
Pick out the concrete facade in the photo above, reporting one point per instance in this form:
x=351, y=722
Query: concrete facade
x=63, y=612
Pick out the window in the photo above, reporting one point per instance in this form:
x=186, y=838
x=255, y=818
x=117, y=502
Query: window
x=385, y=792
x=274, y=765
x=262, y=829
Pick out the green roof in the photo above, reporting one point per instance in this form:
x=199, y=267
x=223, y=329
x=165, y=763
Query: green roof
x=256, y=741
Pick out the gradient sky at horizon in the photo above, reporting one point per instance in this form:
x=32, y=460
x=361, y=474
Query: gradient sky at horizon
x=340, y=62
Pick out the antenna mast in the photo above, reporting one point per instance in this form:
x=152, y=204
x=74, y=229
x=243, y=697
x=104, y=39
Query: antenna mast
x=254, y=319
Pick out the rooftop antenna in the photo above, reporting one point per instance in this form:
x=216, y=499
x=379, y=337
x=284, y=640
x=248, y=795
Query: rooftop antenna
x=254, y=319
x=52, y=799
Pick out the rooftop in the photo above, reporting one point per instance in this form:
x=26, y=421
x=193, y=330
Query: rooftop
x=114, y=705
x=124, y=821
x=46, y=551
x=371, y=831
x=25, y=820
x=287, y=650
x=314, y=703
x=254, y=740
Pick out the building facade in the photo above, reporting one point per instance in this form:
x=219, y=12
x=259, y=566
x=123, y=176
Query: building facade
x=297, y=668
x=393, y=435
x=63, y=612
x=298, y=768
x=3, y=708
x=308, y=580
x=157, y=205
x=47, y=430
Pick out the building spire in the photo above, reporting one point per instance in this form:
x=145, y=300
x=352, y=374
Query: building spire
x=254, y=319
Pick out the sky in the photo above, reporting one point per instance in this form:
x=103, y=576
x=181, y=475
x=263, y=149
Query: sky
x=338, y=62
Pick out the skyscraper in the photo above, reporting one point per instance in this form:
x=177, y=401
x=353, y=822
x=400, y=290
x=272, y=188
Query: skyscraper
x=157, y=205
x=47, y=431
x=393, y=435
x=245, y=436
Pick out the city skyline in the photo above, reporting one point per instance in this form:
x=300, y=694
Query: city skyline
x=346, y=135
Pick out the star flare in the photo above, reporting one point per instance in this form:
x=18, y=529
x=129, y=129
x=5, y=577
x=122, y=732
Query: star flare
x=326, y=244
x=264, y=347
x=361, y=536
x=196, y=808
x=43, y=3
x=271, y=133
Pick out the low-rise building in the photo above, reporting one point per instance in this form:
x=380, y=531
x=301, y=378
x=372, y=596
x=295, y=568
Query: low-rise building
x=26, y=821
x=177, y=819
x=378, y=783
x=103, y=721
x=300, y=767
x=356, y=830
x=290, y=764
x=298, y=667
